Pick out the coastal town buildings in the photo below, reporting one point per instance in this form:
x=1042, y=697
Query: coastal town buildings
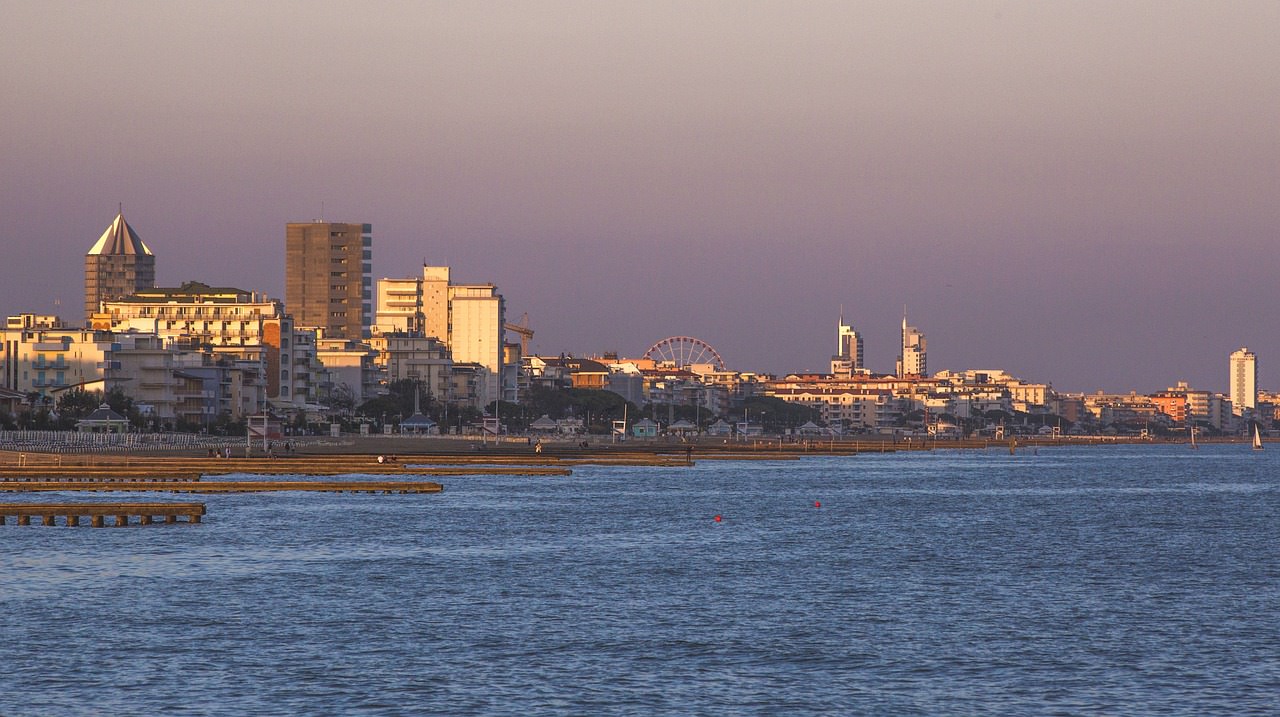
x=328, y=277
x=117, y=265
x=42, y=355
x=469, y=319
x=193, y=313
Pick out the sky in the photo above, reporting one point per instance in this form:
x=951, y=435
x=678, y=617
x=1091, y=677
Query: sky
x=1081, y=193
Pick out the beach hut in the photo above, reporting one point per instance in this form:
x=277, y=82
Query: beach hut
x=719, y=428
x=644, y=428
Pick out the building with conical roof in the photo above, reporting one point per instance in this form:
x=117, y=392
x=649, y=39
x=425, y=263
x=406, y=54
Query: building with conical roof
x=118, y=265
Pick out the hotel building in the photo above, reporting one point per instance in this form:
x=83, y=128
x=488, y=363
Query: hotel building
x=328, y=277
x=118, y=265
x=1244, y=381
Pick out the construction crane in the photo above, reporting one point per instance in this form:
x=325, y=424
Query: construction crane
x=522, y=328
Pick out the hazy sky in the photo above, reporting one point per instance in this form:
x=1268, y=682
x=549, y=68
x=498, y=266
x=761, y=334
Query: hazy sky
x=1085, y=193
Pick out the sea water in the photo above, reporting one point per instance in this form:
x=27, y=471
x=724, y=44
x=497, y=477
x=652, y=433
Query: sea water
x=1100, y=580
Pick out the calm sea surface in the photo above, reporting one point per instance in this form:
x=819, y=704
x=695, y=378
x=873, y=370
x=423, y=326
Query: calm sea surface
x=1116, y=580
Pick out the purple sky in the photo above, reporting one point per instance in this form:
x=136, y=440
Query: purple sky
x=1086, y=193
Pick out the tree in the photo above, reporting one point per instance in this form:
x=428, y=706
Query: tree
x=597, y=408
x=776, y=414
x=78, y=403
x=120, y=402
x=342, y=399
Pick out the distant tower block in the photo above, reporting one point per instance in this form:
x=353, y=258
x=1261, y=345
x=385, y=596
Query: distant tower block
x=1244, y=381
x=914, y=358
x=328, y=279
x=119, y=265
x=848, y=358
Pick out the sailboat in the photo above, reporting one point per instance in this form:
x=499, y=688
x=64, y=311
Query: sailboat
x=1193, y=438
x=1257, y=438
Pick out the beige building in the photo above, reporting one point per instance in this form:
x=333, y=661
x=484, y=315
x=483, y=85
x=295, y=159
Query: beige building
x=422, y=359
x=347, y=371
x=328, y=277
x=118, y=265
x=1244, y=381
x=399, y=307
x=468, y=318
x=51, y=359
x=192, y=313
x=172, y=386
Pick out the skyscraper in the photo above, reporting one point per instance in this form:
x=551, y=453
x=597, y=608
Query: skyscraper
x=914, y=359
x=1244, y=381
x=329, y=277
x=118, y=265
x=848, y=358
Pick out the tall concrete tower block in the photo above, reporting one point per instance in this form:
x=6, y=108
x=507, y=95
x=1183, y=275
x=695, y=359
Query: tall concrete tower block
x=915, y=358
x=118, y=265
x=848, y=358
x=1244, y=381
x=329, y=277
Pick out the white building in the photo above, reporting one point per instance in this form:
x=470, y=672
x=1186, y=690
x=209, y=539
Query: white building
x=848, y=359
x=914, y=358
x=193, y=313
x=399, y=307
x=1244, y=381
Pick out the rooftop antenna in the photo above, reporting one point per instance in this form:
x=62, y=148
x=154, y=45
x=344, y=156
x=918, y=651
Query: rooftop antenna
x=322, y=210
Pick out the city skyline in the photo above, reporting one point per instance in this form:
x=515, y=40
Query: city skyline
x=1078, y=194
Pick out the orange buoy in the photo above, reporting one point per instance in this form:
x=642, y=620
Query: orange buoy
x=817, y=504
x=717, y=519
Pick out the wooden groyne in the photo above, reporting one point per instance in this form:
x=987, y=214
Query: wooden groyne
x=103, y=477
x=236, y=486
x=121, y=513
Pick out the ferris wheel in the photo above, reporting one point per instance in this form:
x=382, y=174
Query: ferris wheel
x=684, y=351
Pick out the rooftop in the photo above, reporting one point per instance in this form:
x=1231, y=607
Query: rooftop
x=120, y=239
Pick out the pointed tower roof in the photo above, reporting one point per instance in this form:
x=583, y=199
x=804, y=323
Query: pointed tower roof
x=119, y=238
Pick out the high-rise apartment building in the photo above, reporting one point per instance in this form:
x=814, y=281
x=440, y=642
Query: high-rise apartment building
x=329, y=277
x=1244, y=381
x=848, y=358
x=914, y=358
x=468, y=318
x=118, y=265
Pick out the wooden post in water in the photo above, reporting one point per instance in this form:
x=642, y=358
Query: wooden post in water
x=96, y=521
